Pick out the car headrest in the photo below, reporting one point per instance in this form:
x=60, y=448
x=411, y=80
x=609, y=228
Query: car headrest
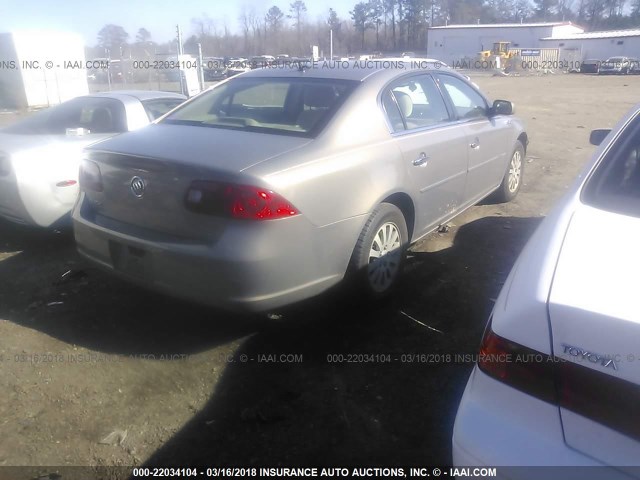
x=404, y=102
x=319, y=96
x=101, y=121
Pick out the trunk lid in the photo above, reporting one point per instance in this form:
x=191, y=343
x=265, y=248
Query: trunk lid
x=168, y=158
x=594, y=310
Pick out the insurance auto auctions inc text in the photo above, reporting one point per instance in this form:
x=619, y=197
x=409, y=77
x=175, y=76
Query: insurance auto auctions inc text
x=421, y=472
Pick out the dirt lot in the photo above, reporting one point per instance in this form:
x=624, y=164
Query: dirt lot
x=84, y=356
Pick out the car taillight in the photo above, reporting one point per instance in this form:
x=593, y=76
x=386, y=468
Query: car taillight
x=594, y=394
x=518, y=366
x=237, y=201
x=90, y=176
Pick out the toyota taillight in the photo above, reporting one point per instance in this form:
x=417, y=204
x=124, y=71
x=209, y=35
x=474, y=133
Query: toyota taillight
x=237, y=201
x=597, y=395
x=518, y=366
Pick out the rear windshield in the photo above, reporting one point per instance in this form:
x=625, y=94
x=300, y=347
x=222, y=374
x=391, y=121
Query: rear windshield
x=289, y=106
x=615, y=184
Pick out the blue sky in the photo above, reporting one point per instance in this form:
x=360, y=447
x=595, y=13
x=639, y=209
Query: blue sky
x=160, y=17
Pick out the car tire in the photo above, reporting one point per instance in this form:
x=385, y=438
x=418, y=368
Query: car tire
x=378, y=258
x=512, y=180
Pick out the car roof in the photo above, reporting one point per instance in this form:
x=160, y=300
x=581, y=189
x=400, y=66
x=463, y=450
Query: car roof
x=141, y=95
x=358, y=70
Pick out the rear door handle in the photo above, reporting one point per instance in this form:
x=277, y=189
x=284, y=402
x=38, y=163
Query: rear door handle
x=475, y=144
x=421, y=161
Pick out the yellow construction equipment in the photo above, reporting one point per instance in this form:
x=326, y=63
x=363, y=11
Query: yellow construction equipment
x=499, y=55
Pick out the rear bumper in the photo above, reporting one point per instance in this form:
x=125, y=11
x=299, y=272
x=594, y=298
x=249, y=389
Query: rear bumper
x=251, y=266
x=497, y=425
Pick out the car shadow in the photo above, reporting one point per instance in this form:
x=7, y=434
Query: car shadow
x=45, y=285
x=338, y=381
x=333, y=381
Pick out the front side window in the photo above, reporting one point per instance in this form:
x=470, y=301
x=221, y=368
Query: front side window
x=615, y=184
x=467, y=102
x=289, y=106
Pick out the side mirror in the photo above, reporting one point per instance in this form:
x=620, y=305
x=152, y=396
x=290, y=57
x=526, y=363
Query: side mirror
x=502, y=107
x=598, y=135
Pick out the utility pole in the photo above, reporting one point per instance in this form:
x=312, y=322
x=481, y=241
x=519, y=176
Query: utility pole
x=182, y=89
x=200, y=67
x=331, y=44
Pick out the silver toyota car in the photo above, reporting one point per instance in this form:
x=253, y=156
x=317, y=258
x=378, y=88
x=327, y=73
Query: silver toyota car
x=277, y=184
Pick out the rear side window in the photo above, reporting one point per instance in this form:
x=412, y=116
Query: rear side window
x=615, y=184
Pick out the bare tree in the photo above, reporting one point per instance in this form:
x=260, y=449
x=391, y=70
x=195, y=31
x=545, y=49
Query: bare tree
x=296, y=12
x=565, y=10
x=203, y=25
x=245, y=25
x=522, y=10
x=546, y=9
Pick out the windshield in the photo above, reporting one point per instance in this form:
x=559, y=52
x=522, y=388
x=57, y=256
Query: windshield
x=289, y=106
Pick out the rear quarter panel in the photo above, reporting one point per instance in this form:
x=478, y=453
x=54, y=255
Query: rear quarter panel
x=347, y=170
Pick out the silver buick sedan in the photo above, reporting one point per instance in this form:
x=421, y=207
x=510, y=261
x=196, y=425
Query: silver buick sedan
x=277, y=184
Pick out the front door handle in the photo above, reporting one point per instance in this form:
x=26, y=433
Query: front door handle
x=421, y=161
x=475, y=144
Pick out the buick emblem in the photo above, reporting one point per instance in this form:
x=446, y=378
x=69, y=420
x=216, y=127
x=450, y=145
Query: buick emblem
x=138, y=186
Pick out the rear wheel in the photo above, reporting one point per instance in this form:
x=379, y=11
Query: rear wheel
x=379, y=255
x=512, y=180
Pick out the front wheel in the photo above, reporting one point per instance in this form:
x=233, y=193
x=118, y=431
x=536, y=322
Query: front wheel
x=379, y=254
x=512, y=180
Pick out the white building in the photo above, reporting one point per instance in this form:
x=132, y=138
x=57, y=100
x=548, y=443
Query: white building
x=41, y=68
x=452, y=43
x=598, y=45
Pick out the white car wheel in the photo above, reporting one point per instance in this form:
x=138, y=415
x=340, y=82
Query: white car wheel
x=379, y=254
x=512, y=180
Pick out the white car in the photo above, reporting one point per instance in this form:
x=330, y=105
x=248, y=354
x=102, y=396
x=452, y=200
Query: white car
x=40, y=156
x=557, y=380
